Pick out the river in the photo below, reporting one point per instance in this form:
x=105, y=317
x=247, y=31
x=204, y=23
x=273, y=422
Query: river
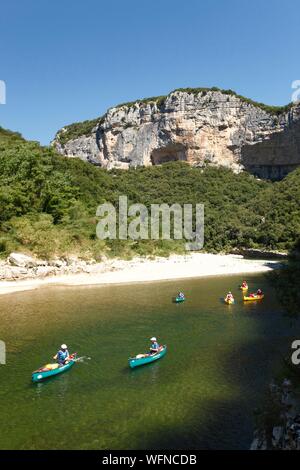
x=201, y=395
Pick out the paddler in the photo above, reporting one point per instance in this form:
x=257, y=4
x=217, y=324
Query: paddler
x=244, y=284
x=62, y=356
x=229, y=297
x=155, y=347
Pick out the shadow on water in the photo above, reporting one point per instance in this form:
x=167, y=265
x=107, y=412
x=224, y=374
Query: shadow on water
x=253, y=362
x=202, y=433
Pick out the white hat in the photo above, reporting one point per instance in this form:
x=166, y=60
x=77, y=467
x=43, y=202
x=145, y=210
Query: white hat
x=153, y=339
x=64, y=346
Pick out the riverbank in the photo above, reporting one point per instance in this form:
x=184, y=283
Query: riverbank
x=279, y=421
x=115, y=271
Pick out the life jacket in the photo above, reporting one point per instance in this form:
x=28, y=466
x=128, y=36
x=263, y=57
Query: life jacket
x=62, y=355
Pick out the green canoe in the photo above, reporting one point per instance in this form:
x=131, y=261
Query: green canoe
x=140, y=361
x=44, y=373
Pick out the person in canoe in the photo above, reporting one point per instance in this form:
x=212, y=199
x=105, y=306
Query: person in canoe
x=62, y=356
x=229, y=297
x=259, y=292
x=155, y=347
x=244, y=285
x=180, y=295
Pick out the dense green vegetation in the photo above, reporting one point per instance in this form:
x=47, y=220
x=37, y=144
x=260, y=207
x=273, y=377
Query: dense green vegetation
x=9, y=139
x=78, y=129
x=48, y=204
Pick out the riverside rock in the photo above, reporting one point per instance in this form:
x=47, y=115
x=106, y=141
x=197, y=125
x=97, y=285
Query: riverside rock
x=286, y=424
x=19, y=266
x=199, y=127
x=43, y=271
x=21, y=260
x=277, y=436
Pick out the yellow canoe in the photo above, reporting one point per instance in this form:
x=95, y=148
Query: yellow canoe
x=255, y=297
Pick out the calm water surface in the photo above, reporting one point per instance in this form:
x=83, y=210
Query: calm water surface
x=200, y=395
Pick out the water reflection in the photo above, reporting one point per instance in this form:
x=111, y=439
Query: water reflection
x=61, y=384
x=150, y=371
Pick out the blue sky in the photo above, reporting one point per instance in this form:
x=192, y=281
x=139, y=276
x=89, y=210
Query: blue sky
x=65, y=61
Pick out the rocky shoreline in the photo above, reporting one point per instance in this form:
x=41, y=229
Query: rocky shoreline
x=280, y=427
x=255, y=253
x=19, y=266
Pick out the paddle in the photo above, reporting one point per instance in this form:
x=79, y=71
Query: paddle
x=73, y=358
x=80, y=359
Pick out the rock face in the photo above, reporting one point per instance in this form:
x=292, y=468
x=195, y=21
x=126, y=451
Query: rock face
x=205, y=127
x=281, y=423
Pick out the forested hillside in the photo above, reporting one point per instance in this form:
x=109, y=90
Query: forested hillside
x=48, y=204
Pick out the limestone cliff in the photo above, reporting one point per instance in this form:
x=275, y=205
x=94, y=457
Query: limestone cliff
x=206, y=126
